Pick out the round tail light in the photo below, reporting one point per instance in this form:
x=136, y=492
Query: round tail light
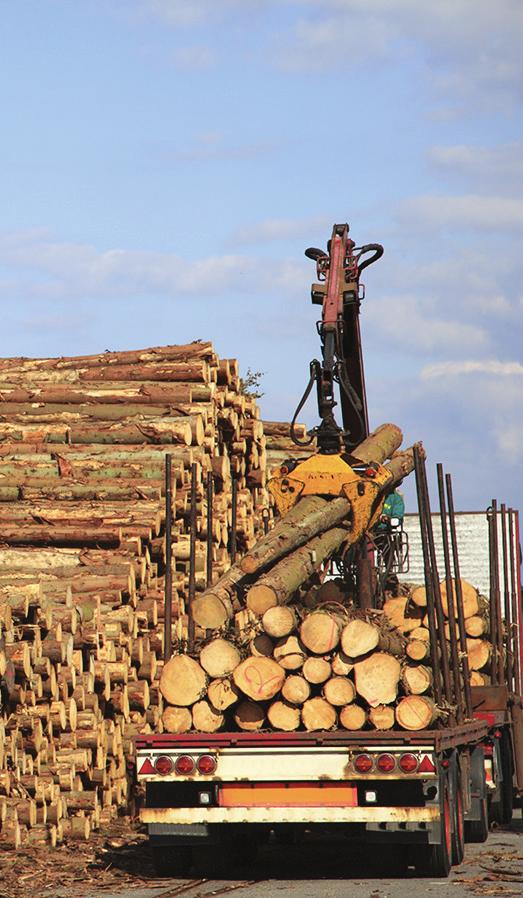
x=386, y=763
x=184, y=765
x=363, y=763
x=408, y=763
x=206, y=765
x=163, y=765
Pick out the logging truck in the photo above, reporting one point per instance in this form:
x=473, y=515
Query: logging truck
x=304, y=701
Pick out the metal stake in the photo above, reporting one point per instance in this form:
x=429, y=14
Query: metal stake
x=429, y=585
x=509, y=661
x=192, y=556
x=517, y=549
x=514, y=602
x=497, y=592
x=438, y=604
x=210, y=497
x=454, y=655
x=234, y=512
x=492, y=601
x=459, y=598
x=168, y=583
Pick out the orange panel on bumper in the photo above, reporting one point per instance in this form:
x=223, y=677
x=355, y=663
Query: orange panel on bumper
x=291, y=795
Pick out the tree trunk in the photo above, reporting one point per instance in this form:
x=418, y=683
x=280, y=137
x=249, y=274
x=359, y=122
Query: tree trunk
x=316, y=670
x=416, y=679
x=289, y=653
x=402, y=614
x=479, y=652
x=339, y=691
x=317, y=714
x=279, y=621
x=382, y=717
x=183, y=682
x=379, y=445
x=310, y=516
x=283, y=716
x=416, y=712
x=377, y=678
x=417, y=649
x=353, y=717
x=296, y=690
x=176, y=720
x=219, y=658
x=206, y=719
x=259, y=678
x=249, y=716
x=279, y=585
x=320, y=632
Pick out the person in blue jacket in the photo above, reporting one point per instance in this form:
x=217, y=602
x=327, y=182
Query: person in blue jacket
x=393, y=507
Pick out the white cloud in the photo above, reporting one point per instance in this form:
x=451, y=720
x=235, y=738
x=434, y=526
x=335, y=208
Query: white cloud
x=407, y=325
x=209, y=147
x=473, y=211
x=282, y=229
x=488, y=366
x=469, y=47
x=496, y=164
x=178, y=13
x=48, y=268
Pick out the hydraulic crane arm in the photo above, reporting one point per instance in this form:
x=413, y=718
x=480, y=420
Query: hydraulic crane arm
x=339, y=292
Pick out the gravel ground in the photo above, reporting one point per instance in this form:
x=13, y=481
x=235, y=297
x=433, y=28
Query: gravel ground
x=118, y=865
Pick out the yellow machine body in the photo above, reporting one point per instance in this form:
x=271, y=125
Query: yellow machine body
x=331, y=475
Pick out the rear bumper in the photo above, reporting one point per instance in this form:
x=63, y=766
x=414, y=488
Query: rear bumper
x=367, y=815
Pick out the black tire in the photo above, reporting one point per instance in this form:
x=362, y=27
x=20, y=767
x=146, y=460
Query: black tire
x=477, y=830
x=440, y=856
x=507, y=767
x=169, y=861
x=458, y=828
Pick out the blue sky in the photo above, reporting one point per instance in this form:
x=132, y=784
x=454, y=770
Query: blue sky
x=164, y=164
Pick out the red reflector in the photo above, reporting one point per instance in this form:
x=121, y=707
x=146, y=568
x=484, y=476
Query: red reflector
x=146, y=767
x=163, y=765
x=206, y=764
x=363, y=763
x=370, y=472
x=184, y=765
x=426, y=765
x=498, y=734
x=386, y=763
x=408, y=763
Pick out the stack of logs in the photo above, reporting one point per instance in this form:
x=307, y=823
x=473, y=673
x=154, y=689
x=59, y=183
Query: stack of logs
x=82, y=551
x=287, y=651
x=408, y=612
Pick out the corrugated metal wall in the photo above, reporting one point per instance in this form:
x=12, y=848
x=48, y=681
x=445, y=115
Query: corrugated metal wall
x=472, y=532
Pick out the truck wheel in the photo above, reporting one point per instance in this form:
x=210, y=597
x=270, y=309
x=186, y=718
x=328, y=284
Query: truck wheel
x=170, y=861
x=507, y=791
x=477, y=830
x=440, y=855
x=458, y=829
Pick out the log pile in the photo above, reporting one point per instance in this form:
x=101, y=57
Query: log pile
x=408, y=612
x=286, y=651
x=82, y=557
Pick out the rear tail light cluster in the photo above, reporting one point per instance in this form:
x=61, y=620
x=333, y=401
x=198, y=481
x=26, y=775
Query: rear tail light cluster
x=184, y=765
x=387, y=763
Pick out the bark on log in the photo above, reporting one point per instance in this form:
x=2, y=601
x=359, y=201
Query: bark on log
x=379, y=445
x=249, y=716
x=222, y=693
x=279, y=585
x=416, y=679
